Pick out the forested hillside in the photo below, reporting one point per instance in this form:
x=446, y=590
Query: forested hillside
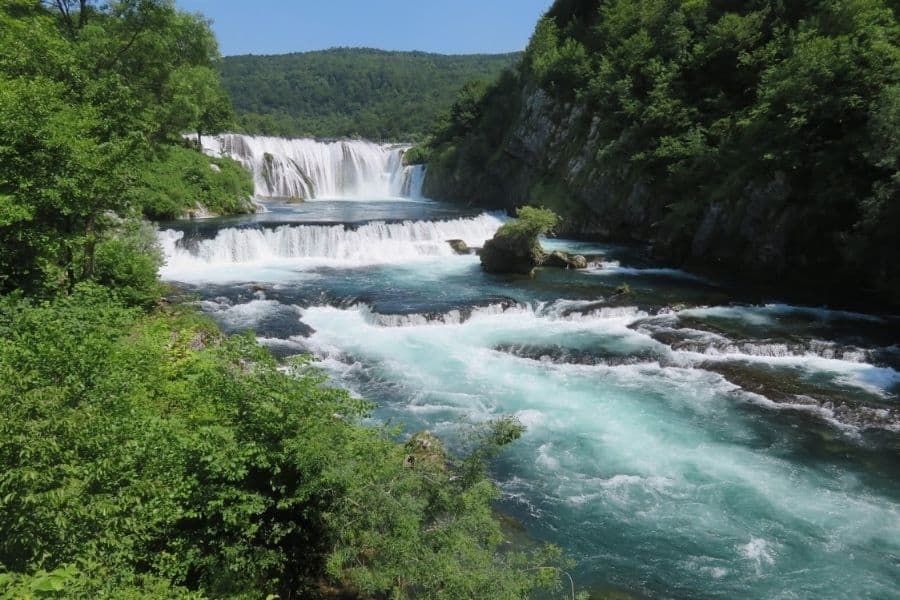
x=374, y=94
x=760, y=135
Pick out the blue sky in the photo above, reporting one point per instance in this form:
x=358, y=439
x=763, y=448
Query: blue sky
x=445, y=26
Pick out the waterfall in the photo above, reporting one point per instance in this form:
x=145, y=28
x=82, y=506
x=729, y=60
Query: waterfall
x=372, y=243
x=307, y=168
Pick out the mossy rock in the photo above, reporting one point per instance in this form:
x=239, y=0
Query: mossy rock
x=564, y=260
x=506, y=254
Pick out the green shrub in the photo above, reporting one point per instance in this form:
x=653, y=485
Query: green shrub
x=417, y=155
x=151, y=454
x=181, y=179
x=128, y=264
x=530, y=223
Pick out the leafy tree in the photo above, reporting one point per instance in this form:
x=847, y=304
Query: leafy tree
x=84, y=89
x=198, y=102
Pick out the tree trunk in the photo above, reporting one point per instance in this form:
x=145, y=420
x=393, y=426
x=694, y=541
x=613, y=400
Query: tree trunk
x=90, y=248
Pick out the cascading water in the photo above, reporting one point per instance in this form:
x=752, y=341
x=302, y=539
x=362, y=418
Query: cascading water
x=680, y=443
x=307, y=168
x=372, y=243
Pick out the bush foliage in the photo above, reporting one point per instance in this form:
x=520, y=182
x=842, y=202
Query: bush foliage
x=530, y=222
x=181, y=179
x=152, y=452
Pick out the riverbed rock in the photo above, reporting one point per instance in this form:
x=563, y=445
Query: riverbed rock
x=508, y=254
x=459, y=246
x=199, y=212
x=564, y=260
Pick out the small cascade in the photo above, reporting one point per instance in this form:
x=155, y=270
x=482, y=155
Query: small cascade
x=408, y=181
x=307, y=168
x=372, y=243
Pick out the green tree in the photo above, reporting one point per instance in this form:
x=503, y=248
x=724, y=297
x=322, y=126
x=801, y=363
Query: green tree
x=765, y=120
x=83, y=96
x=198, y=102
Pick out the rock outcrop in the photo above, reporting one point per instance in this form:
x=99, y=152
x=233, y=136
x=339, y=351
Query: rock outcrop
x=424, y=449
x=508, y=254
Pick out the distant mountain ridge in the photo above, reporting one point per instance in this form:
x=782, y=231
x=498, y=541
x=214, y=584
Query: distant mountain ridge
x=366, y=92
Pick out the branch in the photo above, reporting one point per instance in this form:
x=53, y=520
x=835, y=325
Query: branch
x=120, y=52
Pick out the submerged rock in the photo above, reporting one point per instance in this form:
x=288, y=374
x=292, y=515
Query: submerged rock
x=790, y=388
x=564, y=260
x=459, y=246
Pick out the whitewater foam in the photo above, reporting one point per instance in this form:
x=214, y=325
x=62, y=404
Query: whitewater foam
x=758, y=551
x=372, y=243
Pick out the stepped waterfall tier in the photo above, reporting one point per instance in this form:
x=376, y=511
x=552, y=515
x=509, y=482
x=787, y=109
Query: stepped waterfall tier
x=307, y=169
x=371, y=243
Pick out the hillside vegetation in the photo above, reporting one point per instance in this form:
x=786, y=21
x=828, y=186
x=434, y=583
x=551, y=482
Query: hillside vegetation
x=341, y=92
x=760, y=135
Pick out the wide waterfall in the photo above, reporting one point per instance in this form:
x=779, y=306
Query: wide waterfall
x=307, y=168
x=372, y=243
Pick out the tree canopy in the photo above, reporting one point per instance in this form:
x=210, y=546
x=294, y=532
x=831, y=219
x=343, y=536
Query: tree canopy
x=90, y=94
x=350, y=92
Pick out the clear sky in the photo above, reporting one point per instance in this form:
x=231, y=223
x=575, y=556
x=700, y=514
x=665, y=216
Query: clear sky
x=445, y=26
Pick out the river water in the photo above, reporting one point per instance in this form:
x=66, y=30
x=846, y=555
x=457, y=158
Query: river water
x=682, y=441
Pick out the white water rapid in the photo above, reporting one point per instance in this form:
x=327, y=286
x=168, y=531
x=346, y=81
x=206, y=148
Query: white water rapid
x=311, y=245
x=682, y=440
x=308, y=169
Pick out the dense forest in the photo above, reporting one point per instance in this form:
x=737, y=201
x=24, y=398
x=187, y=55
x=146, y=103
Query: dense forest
x=346, y=92
x=144, y=454
x=759, y=135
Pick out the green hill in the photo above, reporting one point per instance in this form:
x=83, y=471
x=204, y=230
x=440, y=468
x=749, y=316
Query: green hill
x=351, y=91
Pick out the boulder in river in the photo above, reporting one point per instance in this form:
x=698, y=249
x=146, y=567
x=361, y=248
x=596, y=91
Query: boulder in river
x=515, y=247
x=508, y=254
x=459, y=246
x=564, y=260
